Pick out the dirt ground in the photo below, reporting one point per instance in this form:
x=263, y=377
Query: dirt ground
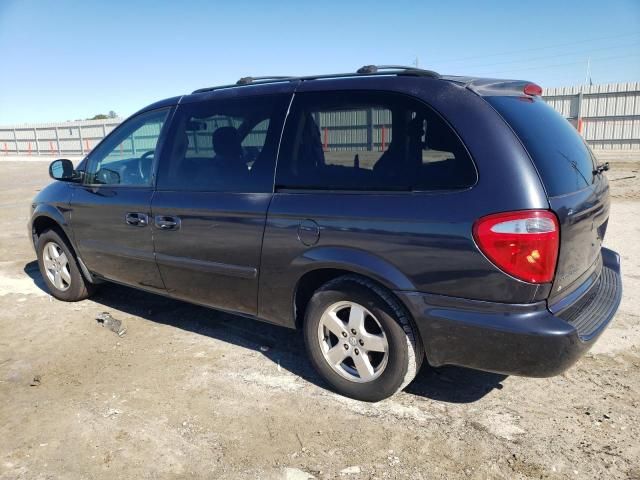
x=190, y=392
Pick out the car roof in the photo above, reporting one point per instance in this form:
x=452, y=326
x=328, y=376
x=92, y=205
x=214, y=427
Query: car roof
x=287, y=84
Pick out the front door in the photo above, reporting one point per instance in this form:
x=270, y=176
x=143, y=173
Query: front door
x=215, y=182
x=111, y=209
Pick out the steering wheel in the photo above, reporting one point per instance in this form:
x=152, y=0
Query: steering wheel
x=144, y=164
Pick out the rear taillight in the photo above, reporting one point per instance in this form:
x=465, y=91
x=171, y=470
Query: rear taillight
x=524, y=244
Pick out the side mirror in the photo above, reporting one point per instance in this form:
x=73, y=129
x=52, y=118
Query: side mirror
x=62, y=170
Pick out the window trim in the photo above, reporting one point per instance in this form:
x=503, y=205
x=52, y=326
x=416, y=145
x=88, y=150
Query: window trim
x=156, y=158
x=293, y=112
x=315, y=191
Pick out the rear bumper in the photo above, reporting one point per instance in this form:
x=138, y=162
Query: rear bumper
x=527, y=339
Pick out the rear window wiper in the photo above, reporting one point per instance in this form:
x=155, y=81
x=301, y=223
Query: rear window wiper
x=603, y=167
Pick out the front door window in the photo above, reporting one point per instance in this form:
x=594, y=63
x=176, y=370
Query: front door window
x=126, y=157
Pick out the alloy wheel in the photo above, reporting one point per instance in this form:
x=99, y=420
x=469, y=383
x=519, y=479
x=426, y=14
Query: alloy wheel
x=353, y=342
x=56, y=266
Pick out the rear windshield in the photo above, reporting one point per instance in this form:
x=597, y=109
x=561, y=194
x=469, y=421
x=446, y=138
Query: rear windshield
x=561, y=156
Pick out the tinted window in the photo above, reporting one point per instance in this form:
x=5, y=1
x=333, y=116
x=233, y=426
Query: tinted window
x=561, y=156
x=126, y=156
x=370, y=141
x=224, y=145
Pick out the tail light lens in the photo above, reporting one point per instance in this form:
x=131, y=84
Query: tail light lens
x=524, y=244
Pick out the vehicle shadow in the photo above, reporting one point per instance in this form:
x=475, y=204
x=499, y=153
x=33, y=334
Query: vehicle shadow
x=281, y=345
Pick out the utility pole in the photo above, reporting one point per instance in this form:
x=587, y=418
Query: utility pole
x=587, y=76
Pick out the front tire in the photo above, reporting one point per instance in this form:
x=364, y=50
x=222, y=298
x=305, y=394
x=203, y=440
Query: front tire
x=59, y=268
x=360, y=339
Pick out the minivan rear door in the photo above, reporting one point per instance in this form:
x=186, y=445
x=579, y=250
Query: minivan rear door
x=215, y=183
x=578, y=194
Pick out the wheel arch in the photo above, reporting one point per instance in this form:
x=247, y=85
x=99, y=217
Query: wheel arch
x=322, y=265
x=46, y=217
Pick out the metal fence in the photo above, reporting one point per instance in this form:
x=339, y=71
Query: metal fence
x=67, y=138
x=608, y=116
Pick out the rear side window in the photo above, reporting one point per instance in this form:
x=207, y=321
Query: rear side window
x=370, y=141
x=226, y=145
x=562, y=157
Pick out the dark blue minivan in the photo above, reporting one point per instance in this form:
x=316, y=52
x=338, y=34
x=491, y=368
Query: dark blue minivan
x=393, y=215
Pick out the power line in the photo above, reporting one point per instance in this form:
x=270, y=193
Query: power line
x=540, y=67
x=529, y=59
x=541, y=48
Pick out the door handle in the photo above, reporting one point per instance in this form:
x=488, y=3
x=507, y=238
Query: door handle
x=166, y=222
x=137, y=219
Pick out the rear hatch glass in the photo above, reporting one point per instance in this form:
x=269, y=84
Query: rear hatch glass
x=559, y=153
x=566, y=166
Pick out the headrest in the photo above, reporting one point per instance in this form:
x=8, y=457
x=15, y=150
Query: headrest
x=439, y=137
x=312, y=153
x=181, y=145
x=226, y=143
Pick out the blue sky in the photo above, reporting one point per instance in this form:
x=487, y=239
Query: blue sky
x=66, y=60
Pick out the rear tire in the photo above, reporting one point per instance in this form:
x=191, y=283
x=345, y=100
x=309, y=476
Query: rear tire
x=59, y=268
x=360, y=339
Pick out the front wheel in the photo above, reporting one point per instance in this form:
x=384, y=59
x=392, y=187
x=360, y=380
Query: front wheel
x=59, y=268
x=360, y=339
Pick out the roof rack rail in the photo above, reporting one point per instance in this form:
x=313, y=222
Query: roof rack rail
x=248, y=80
x=398, y=69
x=369, y=70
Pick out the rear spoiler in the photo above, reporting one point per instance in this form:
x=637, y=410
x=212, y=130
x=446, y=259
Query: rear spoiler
x=506, y=88
x=498, y=87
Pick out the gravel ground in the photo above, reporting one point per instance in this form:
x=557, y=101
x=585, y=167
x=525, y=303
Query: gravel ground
x=190, y=392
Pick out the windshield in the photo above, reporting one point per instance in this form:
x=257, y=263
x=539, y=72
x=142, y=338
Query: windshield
x=563, y=159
